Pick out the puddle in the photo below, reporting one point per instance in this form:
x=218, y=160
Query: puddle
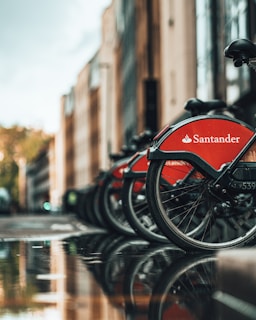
x=88, y=277
x=105, y=277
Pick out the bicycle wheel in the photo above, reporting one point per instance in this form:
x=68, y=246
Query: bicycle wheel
x=86, y=211
x=193, y=216
x=137, y=212
x=116, y=257
x=95, y=207
x=111, y=206
x=184, y=290
x=143, y=274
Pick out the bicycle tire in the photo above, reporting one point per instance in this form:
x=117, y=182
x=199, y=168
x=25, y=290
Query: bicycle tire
x=137, y=211
x=95, y=207
x=87, y=213
x=110, y=206
x=190, y=216
x=184, y=289
x=143, y=274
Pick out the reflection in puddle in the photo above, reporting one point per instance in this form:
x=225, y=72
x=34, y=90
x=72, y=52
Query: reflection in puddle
x=23, y=295
x=102, y=277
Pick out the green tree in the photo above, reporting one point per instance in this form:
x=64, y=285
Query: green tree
x=18, y=143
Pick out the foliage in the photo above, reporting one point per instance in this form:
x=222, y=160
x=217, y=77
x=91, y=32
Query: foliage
x=18, y=144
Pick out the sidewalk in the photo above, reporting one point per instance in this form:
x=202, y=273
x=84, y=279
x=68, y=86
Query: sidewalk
x=22, y=227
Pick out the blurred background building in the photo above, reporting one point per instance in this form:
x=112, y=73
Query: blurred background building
x=154, y=55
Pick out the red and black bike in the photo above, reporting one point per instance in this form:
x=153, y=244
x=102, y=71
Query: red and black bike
x=201, y=181
x=134, y=199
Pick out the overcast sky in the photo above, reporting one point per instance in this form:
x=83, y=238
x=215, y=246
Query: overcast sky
x=43, y=46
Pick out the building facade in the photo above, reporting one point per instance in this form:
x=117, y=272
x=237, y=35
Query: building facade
x=178, y=58
x=81, y=130
x=110, y=122
x=217, y=24
x=69, y=105
x=38, y=183
x=154, y=55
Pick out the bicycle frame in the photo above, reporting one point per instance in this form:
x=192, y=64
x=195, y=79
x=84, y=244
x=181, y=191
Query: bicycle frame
x=137, y=165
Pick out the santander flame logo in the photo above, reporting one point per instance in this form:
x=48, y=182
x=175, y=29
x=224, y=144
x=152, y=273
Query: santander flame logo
x=186, y=139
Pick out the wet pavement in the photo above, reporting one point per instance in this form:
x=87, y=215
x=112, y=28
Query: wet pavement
x=55, y=267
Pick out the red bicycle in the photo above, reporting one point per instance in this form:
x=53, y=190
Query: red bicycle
x=134, y=199
x=201, y=181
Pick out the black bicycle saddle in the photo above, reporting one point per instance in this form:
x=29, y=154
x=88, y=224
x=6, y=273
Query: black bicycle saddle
x=196, y=106
x=241, y=51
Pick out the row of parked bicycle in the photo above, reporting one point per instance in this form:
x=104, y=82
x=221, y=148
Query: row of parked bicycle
x=192, y=183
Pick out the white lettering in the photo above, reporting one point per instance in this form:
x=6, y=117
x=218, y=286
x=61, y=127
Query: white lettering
x=211, y=139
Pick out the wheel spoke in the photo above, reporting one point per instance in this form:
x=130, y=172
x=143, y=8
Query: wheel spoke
x=193, y=214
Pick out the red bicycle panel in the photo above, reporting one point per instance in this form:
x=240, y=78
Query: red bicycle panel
x=174, y=170
x=138, y=185
x=216, y=141
x=141, y=163
x=118, y=171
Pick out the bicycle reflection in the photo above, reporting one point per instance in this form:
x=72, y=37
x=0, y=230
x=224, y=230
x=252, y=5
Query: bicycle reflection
x=105, y=276
x=149, y=281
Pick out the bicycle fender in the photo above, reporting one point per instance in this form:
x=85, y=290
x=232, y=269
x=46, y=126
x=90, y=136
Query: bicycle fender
x=138, y=165
x=212, y=140
x=117, y=170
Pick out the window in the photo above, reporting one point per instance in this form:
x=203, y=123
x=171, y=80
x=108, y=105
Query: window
x=204, y=47
x=236, y=27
